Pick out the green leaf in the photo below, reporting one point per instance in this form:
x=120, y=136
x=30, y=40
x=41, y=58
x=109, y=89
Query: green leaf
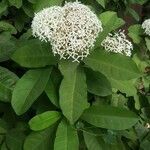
x=2, y=137
x=102, y=2
x=141, y=2
x=44, y=120
x=5, y=26
x=7, y=46
x=52, y=87
x=3, y=6
x=147, y=43
x=98, y=84
x=73, y=91
x=4, y=146
x=135, y=32
x=33, y=55
x=141, y=63
x=15, y=139
x=20, y=20
x=41, y=140
x=112, y=18
x=3, y=127
x=16, y=3
x=32, y=1
x=7, y=82
x=110, y=117
x=66, y=137
x=96, y=142
x=28, y=9
x=110, y=22
x=134, y=14
x=112, y=65
x=137, y=102
x=93, y=142
x=51, y=92
x=118, y=100
x=28, y=89
x=25, y=36
x=40, y=4
x=145, y=143
x=126, y=87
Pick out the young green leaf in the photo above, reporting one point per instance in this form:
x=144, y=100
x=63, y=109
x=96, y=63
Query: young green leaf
x=44, y=120
x=66, y=137
x=33, y=54
x=28, y=89
x=97, y=83
x=73, y=91
x=110, y=117
x=110, y=22
x=135, y=32
x=115, y=66
x=7, y=82
x=102, y=2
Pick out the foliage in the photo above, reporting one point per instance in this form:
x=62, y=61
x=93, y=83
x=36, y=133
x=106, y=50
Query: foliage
x=46, y=103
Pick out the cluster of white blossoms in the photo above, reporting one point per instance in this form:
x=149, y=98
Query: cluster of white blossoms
x=146, y=26
x=117, y=43
x=46, y=22
x=71, y=29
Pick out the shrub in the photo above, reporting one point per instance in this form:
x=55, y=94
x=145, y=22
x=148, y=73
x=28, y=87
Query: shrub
x=74, y=75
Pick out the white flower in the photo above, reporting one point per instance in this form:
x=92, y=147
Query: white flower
x=117, y=43
x=46, y=22
x=147, y=125
x=71, y=30
x=146, y=26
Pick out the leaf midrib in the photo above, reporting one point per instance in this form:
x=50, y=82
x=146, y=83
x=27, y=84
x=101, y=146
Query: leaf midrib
x=109, y=116
x=29, y=93
x=73, y=95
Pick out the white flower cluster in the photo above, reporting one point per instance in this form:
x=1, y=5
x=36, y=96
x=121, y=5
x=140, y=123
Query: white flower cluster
x=146, y=26
x=46, y=22
x=117, y=43
x=71, y=29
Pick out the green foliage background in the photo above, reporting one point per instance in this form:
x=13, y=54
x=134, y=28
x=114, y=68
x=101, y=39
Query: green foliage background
x=103, y=103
